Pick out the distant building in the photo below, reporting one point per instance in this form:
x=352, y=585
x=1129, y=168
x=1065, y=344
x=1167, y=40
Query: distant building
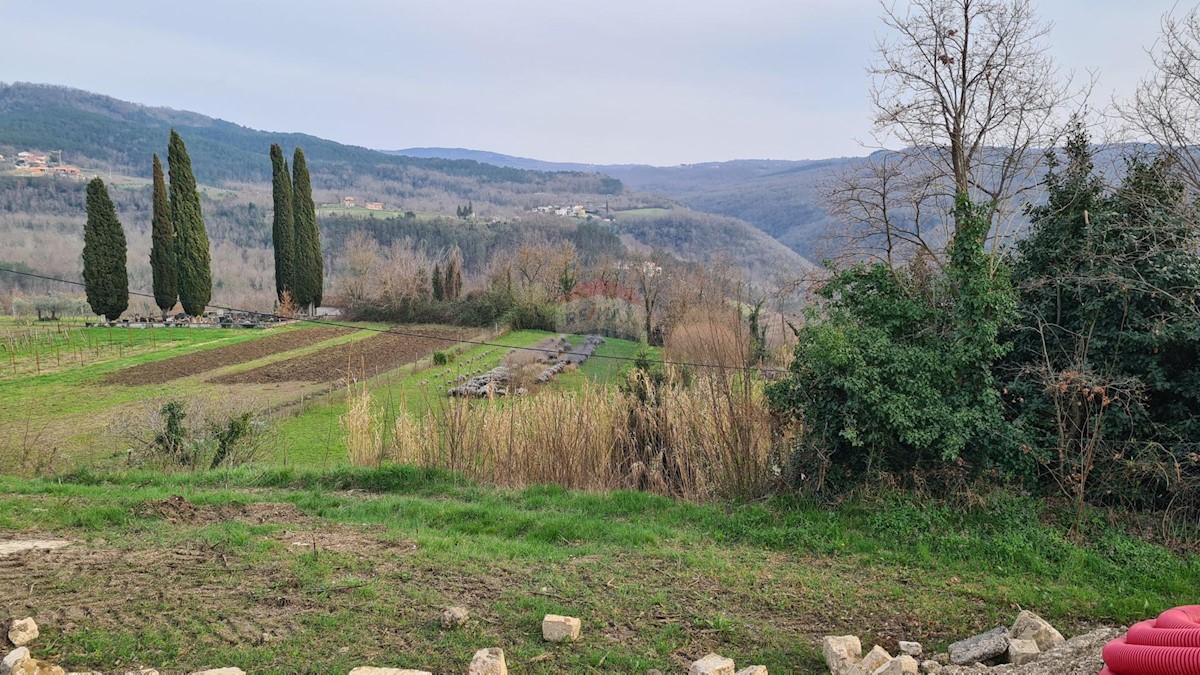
x=31, y=160
x=348, y=202
x=374, y=206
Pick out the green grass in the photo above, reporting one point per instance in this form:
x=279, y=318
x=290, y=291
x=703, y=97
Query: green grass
x=649, y=211
x=607, y=368
x=656, y=582
x=65, y=411
x=313, y=437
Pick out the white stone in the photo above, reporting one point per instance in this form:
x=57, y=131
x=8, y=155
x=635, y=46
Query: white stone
x=752, y=670
x=12, y=659
x=930, y=666
x=36, y=667
x=22, y=631
x=979, y=648
x=372, y=670
x=1022, y=651
x=1030, y=626
x=901, y=665
x=488, y=662
x=220, y=671
x=557, y=628
x=841, y=652
x=913, y=649
x=453, y=617
x=712, y=664
x=878, y=656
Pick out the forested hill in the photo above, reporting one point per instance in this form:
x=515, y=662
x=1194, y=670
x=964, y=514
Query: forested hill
x=779, y=197
x=102, y=132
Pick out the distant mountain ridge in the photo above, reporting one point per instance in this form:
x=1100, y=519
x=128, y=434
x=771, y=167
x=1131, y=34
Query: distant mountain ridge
x=119, y=135
x=779, y=197
x=103, y=134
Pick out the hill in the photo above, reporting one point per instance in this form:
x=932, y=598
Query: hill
x=778, y=197
x=102, y=132
x=41, y=223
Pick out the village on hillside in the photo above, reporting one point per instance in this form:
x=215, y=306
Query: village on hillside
x=26, y=163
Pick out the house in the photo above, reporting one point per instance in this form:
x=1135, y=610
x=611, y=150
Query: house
x=348, y=202
x=374, y=206
x=30, y=159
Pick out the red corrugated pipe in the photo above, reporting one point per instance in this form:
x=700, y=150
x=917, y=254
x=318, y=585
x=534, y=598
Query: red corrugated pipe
x=1168, y=645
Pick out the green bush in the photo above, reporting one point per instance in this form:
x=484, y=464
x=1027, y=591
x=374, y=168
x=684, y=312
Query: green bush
x=441, y=358
x=896, y=376
x=532, y=316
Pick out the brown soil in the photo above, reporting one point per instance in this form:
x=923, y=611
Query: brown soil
x=102, y=586
x=195, y=363
x=359, y=359
x=179, y=510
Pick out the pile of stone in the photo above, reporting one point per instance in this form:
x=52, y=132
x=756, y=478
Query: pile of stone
x=1030, y=646
x=486, y=385
x=557, y=352
x=574, y=357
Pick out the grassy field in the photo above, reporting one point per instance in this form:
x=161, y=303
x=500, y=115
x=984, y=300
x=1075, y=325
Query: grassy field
x=301, y=563
x=283, y=571
x=313, y=437
x=68, y=410
x=58, y=400
x=649, y=211
x=362, y=212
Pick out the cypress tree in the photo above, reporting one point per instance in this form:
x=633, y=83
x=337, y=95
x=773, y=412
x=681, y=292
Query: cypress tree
x=452, y=286
x=310, y=273
x=283, y=226
x=162, y=247
x=191, y=239
x=439, y=291
x=104, y=277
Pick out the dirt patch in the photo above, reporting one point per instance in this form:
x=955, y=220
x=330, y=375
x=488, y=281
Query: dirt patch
x=158, y=588
x=359, y=359
x=195, y=363
x=176, y=509
x=11, y=546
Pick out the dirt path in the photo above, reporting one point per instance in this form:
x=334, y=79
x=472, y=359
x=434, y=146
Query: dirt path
x=203, y=361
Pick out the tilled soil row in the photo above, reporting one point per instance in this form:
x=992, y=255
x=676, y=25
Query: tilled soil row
x=199, y=362
x=359, y=359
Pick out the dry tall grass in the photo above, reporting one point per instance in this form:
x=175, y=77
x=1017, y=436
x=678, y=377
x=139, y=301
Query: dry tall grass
x=364, y=433
x=714, y=439
x=711, y=335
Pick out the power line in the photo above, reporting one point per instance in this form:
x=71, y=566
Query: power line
x=402, y=333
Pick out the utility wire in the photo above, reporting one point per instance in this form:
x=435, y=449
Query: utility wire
x=439, y=338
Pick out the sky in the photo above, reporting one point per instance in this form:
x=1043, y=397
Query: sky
x=660, y=82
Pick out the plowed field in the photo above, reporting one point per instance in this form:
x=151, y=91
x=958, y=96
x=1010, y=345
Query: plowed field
x=196, y=363
x=359, y=359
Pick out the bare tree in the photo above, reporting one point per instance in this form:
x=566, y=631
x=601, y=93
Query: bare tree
x=1166, y=108
x=360, y=259
x=968, y=88
x=890, y=207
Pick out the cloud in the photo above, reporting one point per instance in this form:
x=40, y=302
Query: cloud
x=659, y=81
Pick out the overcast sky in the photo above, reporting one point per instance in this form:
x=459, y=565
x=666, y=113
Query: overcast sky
x=611, y=81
